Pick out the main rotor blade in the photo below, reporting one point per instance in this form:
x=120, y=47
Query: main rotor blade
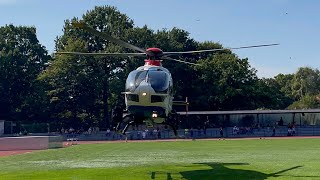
x=213, y=50
x=104, y=54
x=172, y=59
x=93, y=31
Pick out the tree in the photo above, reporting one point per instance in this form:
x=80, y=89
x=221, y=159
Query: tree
x=22, y=58
x=268, y=94
x=285, y=82
x=109, y=20
x=306, y=81
x=305, y=85
x=307, y=102
x=74, y=96
x=228, y=82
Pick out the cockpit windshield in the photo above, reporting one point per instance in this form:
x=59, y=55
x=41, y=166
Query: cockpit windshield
x=158, y=79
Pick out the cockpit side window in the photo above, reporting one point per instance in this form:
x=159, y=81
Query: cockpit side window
x=140, y=77
x=134, y=79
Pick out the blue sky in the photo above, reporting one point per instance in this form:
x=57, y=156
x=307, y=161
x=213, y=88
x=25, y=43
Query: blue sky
x=295, y=24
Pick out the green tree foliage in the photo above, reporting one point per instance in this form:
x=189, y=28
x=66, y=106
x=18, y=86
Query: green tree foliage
x=22, y=58
x=73, y=92
x=307, y=102
x=306, y=81
x=106, y=71
x=306, y=88
x=228, y=82
x=285, y=82
x=268, y=94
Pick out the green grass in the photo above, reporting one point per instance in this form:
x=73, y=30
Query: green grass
x=225, y=159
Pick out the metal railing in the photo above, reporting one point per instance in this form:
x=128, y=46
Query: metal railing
x=195, y=134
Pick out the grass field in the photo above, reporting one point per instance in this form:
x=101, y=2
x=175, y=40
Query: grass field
x=205, y=159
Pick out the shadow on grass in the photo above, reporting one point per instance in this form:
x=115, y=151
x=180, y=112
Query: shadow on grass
x=221, y=171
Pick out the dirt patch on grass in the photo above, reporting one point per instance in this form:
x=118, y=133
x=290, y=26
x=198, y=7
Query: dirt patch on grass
x=9, y=153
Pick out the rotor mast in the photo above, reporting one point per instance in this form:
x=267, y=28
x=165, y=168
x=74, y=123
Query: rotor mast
x=154, y=59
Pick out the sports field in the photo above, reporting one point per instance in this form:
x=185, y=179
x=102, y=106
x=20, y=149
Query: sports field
x=199, y=159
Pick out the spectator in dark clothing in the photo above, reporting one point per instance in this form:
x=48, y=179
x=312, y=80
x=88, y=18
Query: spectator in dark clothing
x=221, y=133
x=280, y=122
x=274, y=131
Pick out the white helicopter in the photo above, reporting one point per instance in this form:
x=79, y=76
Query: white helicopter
x=148, y=92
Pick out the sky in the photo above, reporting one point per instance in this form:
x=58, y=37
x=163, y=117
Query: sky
x=295, y=24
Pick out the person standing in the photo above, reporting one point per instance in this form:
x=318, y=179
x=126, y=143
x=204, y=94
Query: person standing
x=293, y=129
x=274, y=131
x=108, y=132
x=221, y=133
x=144, y=135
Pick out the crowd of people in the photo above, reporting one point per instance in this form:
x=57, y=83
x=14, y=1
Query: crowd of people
x=158, y=132
x=242, y=130
x=291, y=129
x=71, y=130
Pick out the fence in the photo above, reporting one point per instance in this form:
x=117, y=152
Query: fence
x=11, y=127
x=16, y=128
x=195, y=134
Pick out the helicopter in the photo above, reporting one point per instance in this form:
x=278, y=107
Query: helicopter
x=149, y=88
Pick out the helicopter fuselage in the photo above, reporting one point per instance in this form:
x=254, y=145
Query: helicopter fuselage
x=148, y=95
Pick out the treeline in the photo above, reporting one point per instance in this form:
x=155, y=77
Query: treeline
x=80, y=90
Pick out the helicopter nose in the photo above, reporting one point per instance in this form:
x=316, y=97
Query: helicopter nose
x=145, y=91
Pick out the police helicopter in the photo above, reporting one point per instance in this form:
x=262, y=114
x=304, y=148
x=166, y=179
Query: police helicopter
x=148, y=90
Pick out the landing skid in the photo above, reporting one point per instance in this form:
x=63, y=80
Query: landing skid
x=122, y=126
x=173, y=121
